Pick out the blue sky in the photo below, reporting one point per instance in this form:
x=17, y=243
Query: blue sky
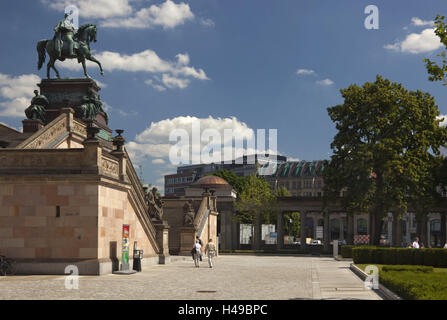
x=235, y=61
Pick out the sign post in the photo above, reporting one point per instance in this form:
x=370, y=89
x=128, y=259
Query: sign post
x=125, y=248
x=125, y=252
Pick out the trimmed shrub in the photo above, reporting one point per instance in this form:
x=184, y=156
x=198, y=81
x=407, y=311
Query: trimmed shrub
x=404, y=256
x=389, y=256
x=400, y=256
x=346, y=251
x=418, y=256
x=425, y=269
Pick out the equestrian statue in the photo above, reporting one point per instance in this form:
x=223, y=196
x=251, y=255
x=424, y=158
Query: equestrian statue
x=68, y=44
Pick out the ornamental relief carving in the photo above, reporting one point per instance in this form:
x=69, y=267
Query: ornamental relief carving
x=109, y=167
x=79, y=129
x=40, y=160
x=50, y=135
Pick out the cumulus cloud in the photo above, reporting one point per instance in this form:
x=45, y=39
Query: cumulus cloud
x=442, y=117
x=122, y=13
x=207, y=22
x=174, y=74
x=325, y=82
x=100, y=9
x=167, y=15
x=419, y=22
x=16, y=93
x=154, y=141
x=158, y=161
x=415, y=43
x=305, y=72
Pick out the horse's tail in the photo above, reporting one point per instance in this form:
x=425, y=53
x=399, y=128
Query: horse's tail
x=41, y=52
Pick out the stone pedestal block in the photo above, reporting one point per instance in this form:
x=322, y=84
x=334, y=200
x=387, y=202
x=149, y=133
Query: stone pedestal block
x=31, y=126
x=187, y=239
x=162, y=237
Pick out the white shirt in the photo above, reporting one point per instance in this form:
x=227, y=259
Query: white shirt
x=198, y=247
x=416, y=245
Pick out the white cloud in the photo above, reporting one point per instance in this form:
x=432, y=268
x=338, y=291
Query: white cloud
x=419, y=22
x=325, y=82
x=100, y=9
x=167, y=15
x=16, y=94
x=173, y=82
x=415, y=43
x=154, y=141
x=305, y=72
x=207, y=22
x=156, y=86
x=174, y=73
x=158, y=161
x=443, y=123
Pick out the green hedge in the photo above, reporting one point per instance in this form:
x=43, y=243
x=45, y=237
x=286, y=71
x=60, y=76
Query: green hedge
x=412, y=285
x=424, y=269
x=346, y=251
x=400, y=256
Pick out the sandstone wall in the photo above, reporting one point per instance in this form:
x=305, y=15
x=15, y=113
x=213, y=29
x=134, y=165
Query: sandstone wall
x=48, y=220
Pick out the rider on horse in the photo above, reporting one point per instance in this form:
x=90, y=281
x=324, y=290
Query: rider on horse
x=64, y=30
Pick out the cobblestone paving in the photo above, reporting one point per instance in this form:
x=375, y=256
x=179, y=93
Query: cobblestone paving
x=233, y=277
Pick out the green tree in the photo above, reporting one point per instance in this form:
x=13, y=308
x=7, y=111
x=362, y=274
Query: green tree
x=439, y=72
x=387, y=143
x=233, y=180
x=292, y=223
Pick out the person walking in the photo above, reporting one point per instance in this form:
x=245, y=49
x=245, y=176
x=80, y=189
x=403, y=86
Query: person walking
x=197, y=254
x=416, y=243
x=210, y=250
x=201, y=244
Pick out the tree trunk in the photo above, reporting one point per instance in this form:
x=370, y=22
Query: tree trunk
x=350, y=235
x=443, y=228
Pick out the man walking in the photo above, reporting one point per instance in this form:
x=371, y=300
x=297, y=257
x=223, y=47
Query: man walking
x=416, y=243
x=197, y=253
x=210, y=250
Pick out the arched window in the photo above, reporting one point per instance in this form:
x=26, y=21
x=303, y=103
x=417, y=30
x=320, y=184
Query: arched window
x=362, y=226
x=335, y=229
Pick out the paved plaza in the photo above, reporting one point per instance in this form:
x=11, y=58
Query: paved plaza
x=233, y=277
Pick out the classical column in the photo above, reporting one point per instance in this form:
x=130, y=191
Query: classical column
x=443, y=228
x=350, y=233
x=397, y=229
x=257, y=236
x=303, y=231
x=326, y=234
x=342, y=229
x=279, y=231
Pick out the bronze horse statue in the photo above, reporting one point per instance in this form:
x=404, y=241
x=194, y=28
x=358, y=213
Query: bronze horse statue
x=82, y=38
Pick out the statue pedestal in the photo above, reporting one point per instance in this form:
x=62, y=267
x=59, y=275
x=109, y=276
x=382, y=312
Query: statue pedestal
x=187, y=240
x=69, y=93
x=31, y=126
x=162, y=237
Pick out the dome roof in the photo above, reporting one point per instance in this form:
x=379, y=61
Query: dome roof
x=211, y=182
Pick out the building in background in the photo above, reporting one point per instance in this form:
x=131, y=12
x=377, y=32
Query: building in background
x=300, y=178
x=175, y=184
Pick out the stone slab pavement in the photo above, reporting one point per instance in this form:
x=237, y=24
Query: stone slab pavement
x=233, y=277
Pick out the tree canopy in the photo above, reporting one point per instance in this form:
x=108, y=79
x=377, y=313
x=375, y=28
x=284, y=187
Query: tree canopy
x=387, y=144
x=439, y=72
